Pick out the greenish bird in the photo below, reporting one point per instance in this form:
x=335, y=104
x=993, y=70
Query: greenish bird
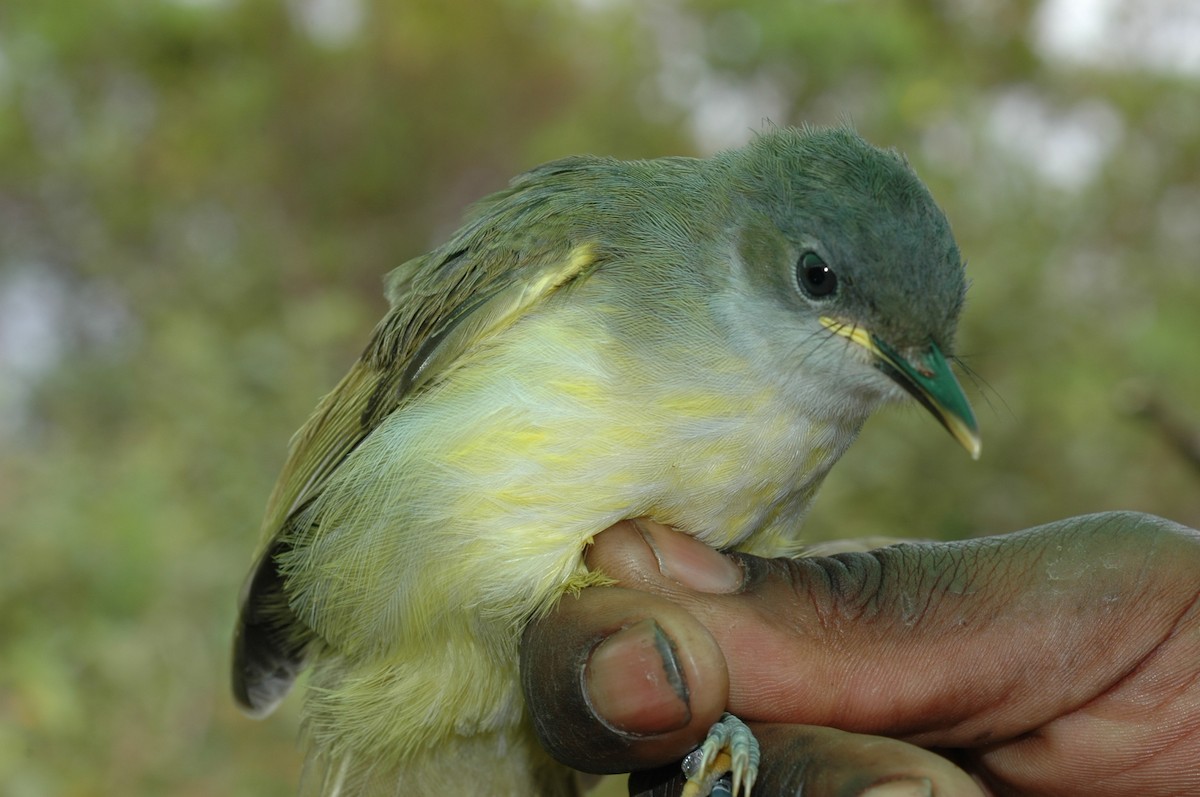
x=693, y=341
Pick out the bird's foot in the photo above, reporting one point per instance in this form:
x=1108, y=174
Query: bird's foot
x=726, y=764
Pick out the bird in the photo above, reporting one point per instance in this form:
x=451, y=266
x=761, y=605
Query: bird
x=691, y=340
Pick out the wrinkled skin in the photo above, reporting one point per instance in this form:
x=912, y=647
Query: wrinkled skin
x=1063, y=660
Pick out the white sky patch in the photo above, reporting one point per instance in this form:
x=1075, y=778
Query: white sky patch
x=1066, y=147
x=722, y=109
x=32, y=306
x=724, y=114
x=41, y=317
x=32, y=303
x=332, y=23
x=1157, y=35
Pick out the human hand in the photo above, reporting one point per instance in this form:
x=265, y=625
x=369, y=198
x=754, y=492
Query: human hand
x=1063, y=660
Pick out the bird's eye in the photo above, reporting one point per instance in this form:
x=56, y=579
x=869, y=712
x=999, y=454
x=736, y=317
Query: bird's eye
x=816, y=279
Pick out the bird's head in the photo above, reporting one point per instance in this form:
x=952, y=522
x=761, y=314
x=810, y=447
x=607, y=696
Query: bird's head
x=856, y=277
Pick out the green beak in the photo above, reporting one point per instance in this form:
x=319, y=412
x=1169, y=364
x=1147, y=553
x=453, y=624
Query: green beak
x=931, y=382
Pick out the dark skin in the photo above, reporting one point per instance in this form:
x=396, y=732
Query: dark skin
x=1063, y=660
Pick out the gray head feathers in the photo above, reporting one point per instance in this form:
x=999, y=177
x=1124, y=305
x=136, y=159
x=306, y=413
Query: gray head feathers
x=870, y=218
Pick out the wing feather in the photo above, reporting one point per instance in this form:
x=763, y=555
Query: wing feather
x=486, y=277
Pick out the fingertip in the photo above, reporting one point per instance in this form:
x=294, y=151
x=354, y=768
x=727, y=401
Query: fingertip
x=635, y=683
x=634, y=551
x=689, y=561
x=618, y=680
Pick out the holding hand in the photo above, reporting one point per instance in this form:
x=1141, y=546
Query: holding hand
x=1063, y=660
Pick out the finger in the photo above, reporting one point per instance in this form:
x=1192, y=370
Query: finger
x=950, y=644
x=823, y=762
x=618, y=680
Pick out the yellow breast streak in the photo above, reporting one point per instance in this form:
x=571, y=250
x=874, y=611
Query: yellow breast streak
x=468, y=510
x=483, y=492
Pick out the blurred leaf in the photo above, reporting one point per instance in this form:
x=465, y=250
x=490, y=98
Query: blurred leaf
x=201, y=198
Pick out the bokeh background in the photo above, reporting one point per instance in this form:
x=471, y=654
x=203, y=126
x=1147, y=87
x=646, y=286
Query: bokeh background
x=198, y=199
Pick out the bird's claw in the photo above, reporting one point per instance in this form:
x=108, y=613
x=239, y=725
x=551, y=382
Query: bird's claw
x=726, y=765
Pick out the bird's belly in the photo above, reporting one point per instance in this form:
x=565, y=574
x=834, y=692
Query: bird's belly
x=467, y=512
x=479, y=497
x=728, y=486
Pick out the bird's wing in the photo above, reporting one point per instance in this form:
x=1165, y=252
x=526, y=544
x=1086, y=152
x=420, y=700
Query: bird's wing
x=456, y=302
x=443, y=304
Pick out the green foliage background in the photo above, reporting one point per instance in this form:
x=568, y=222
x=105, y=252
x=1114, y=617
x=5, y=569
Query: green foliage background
x=198, y=201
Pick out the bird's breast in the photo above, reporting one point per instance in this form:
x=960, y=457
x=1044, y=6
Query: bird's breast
x=677, y=427
x=481, y=494
x=748, y=470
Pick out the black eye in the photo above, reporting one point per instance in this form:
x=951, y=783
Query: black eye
x=816, y=279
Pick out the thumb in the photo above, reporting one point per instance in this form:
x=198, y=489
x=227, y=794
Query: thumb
x=943, y=644
x=1056, y=659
